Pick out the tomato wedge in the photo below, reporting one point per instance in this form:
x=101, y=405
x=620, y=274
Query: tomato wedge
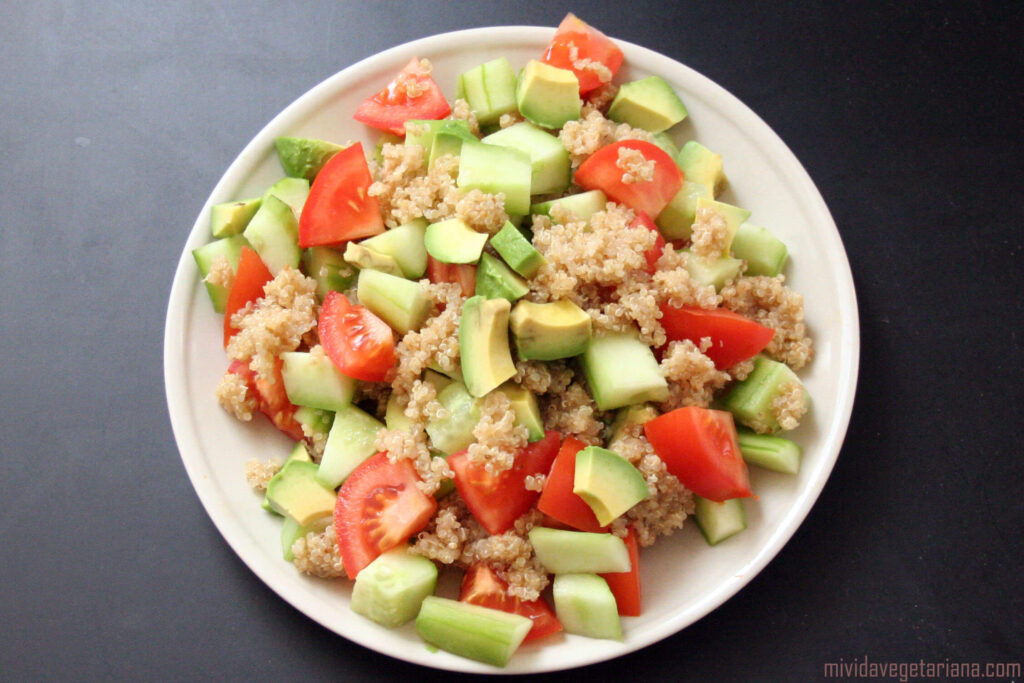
x=359, y=343
x=654, y=253
x=734, y=338
x=379, y=507
x=247, y=286
x=699, y=447
x=576, y=44
x=462, y=274
x=412, y=94
x=625, y=586
x=339, y=207
x=482, y=586
x=601, y=171
x=557, y=499
x=271, y=398
x=498, y=501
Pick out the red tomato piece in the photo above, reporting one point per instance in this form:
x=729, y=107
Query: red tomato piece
x=359, y=343
x=625, y=586
x=577, y=44
x=412, y=94
x=498, y=501
x=339, y=207
x=601, y=171
x=462, y=274
x=379, y=507
x=734, y=338
x=247, y=286
x=654, y=253
x=482, y=586
x=699, y=447
x=557, y=499
x=271, y=398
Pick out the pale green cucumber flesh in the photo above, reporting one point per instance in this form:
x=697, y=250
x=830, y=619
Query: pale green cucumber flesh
x=314, y=381
x=770, y=452
x=455, y=432
x=586, y=606
x=494, y=169
x=391, y=589
x=404, y=244
x=205, y=256
x=549, y=160
x=480, y=633
x=719, y=521
x=328, y=267
x=349, y=443
x=575, y=552
x=764, y=253
x=402, y=304
x=274, y=234
x=621, y=370
x=750, y=401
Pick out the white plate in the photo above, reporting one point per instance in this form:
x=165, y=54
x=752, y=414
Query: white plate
x=683, y=579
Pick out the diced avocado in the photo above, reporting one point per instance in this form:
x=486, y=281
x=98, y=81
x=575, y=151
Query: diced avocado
x=585, y=605
x=703, y=166
x=750, y=401
x=621, y=370
x=494, y=169
x=548, y=96
x=299, y=452
x=350, y=442
x=582, y=205
x=422, y=131
x=295, y=492
x=292, y=531
x=230, y=218
x=313, y=380
x=667, y=144
x=495, y=280
x=401, y=303
x=480, y=633
x=649, y=103
x=489, y=89
x=716, y=273
x=274, y=234
x=764, y=253
x=734, y=216
x=453, y=241
x=549, y=159
x=365, y=258
x=676, y=220
x=231, y=249
x=291, y=191
x=608, y=483
x=405, y=245
x=579, y=552
x=630, y=415
x=517, y=251
x=394, y=415
x=483, y=340
x=549, y=331
x=328, y=267
x=770, y=452
x=304, y=157
x=391, y=589
x=453, y=433
x=719, y=521
x=524, y=405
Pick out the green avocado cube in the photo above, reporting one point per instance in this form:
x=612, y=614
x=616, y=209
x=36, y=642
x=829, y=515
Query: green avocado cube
x=517, y=251
x=649, y=103
x=304, y=157
x=548, y=96
x=495, y=280
x=608, y=483
x=230, y=218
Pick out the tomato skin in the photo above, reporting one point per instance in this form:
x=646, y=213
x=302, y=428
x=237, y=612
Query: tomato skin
x=589, y=43
x=625, y=586
x=600, y=171
x=462, y=274
x=482, y=586
x=557, y=499
x=271, y=398
x=360, y=344
x=734, y=338
x=699, y=447
x=498, y=501
x=390, y=108
x=379, y=507
x=247, y=286
x=654, y=253
x=339, y=207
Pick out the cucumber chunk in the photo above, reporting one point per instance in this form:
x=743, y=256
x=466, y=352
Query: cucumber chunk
x=314, y=381
x=579, y=552
x=582, y=205
x=676, y=220
x=453, y=433
x=750, y=401
x=481, y=633
x=764, y=253
x=453, y=241
x=586, y=606
x=274, y=234
x=391, y=589
x=770, y=452
x=292, y=531
x=494, y=169
x=549, y=160
x=405, y=245
x=328, y=267
x=292, y=191
x=349, y=443
x=621, y=370
x=231, y=249
x=719, y=521
x=401, y=303
x=489, y=89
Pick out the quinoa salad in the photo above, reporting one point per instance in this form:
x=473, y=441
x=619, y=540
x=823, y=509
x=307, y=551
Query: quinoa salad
x=450, y=351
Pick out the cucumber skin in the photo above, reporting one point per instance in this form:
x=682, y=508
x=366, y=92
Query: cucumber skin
x=480, y=633
x=712, y=517
x=391, y=589
x=586, y=606
x=770, y=452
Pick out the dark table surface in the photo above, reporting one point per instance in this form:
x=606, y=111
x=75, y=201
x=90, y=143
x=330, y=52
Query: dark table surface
x=116, y=121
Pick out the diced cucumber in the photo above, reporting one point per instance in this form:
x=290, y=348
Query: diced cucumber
x=489, y=89
x=579, y=552
x=291, y=191
x=436, y=379
x=453, y=241
x=770, y=452
x=455, y=432
x=328, y=267
x=422, y=131
x=394, y=415
x=349, y=443
x=734, y=216
x=549, y=160
x=667, y=144
x=314, y=381
x=750, y=401
x=621, y=370
x=230, y=218
x=494, y=169
x=719, y=521
x=274, y=234
x=764, y=253
x=481, y=633
x=583, y=205
x=404, y=244
x=231, y=249
x=676, y=220
x=517, y=251
x=716, y=273
x=402, y=304
x=586, y=606
x=315, y=420
x=391, y=589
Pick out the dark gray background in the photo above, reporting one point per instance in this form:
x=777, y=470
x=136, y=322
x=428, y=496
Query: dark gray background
x=115, y=122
